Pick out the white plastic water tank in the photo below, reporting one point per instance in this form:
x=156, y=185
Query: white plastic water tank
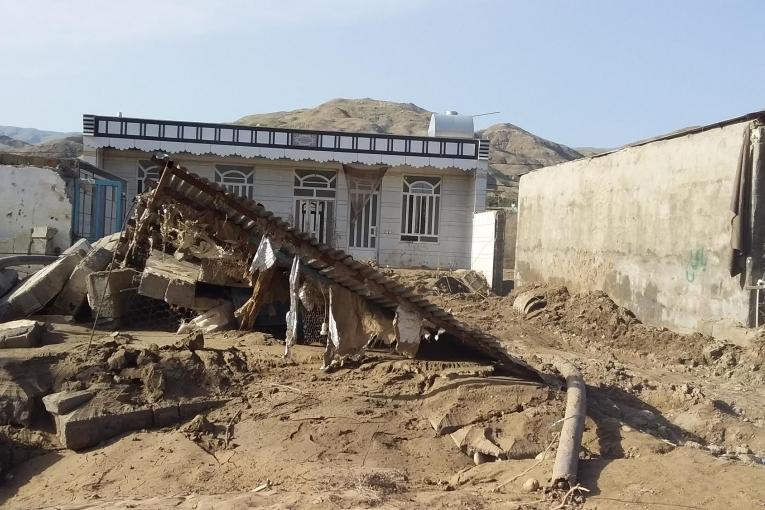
x=451, y=125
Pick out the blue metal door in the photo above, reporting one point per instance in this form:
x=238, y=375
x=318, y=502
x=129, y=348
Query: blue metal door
x=98, y=207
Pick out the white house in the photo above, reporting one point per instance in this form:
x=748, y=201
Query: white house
x=402, y=201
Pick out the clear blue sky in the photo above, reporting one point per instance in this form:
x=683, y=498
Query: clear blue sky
x=583, y=73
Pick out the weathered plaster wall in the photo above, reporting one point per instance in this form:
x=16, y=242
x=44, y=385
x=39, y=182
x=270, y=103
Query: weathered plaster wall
x=34, y=196
x=461, y=194
x=649, y=225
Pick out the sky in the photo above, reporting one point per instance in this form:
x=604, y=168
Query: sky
x=584, y=73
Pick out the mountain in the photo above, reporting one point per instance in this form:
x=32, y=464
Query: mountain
x=359, y=115
x=8, y=144
x=512, y=150
x=33, y=136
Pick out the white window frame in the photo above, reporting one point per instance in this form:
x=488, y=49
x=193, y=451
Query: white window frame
x=421, y=209
x=147, y=171
x=237, y=179
x=314, y=195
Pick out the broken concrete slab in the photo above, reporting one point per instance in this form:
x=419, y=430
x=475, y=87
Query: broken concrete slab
x=18, y=244
x=42, y=240
x=90, y=424
x=73, y=296
x=8, y=279
x=39, y=289
x=94, y=422
x=21, y=333
x=112, y=287
x=169, y=279
x=80, y=245
x=64, y=402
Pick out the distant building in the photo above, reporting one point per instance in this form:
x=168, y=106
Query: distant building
x=404, y=201
x=672, y=228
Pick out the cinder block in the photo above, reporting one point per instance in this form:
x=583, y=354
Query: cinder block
x=21, y=333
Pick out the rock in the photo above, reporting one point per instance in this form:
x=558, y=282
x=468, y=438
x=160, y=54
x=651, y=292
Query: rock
x=742, y=450
x=199, y=425
x=749, y=457
x=16, y=404
x=21, y=333
x=480, y=458
x=713, y=351
x=118, y=360
x=715, y=449
x=64, y=402
x=694, y=445
x=194, y=341
x=531, y=485
x=153, y=382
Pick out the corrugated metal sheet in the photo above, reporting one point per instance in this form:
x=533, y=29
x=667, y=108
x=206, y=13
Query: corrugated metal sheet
x=333, y=264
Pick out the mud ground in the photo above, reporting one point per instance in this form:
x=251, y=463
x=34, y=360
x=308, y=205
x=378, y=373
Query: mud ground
x=673, y=422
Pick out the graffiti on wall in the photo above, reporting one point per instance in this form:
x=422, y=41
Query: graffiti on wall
x=697, y=262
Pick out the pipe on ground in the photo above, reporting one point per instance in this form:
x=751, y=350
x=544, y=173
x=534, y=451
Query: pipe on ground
x=24, y=260
x=567, y=456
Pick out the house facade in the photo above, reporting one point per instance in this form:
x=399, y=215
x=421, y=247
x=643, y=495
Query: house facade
x=401, y=201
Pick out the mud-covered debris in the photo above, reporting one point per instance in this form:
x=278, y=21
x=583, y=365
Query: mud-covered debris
x=194, y=341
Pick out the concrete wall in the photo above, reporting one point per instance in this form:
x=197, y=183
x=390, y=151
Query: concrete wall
x=486, y=255
x=511, y=231
x=649, y=225
x=33, y=196
x=461, y=194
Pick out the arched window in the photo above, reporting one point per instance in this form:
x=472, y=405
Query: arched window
x=148, y=171
x=420, y=209
x=239, y=180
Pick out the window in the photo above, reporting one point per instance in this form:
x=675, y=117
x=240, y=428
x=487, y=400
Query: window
x=315, y=203
x=420, y=208
x=148, y=171
x=239, y=180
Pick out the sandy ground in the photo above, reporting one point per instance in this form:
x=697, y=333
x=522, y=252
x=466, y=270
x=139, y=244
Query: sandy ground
x=666, y=428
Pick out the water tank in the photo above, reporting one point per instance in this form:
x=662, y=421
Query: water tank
x=451, y=125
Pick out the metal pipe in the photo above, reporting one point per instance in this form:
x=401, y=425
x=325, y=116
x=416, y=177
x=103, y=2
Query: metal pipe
x=26, y=260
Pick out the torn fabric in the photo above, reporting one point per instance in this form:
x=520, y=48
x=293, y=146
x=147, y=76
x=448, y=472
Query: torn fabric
x=292, y=314
x=265, y=257
x=740, y=206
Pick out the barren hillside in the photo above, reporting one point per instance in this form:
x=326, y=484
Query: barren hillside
x=513, y=151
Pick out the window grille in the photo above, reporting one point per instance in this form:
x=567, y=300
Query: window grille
x=420, y=209
x=148, y=171
x=239, y=180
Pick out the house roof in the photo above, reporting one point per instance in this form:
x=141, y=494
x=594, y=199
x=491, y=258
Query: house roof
x=152, y=135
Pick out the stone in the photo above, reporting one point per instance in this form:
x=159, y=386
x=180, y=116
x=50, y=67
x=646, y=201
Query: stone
x=694, y=445
x=8, y=279
x=64, y=402
x=480, y=458
x=39, y=289
x=713, y=351
x=16, y=404
x=73, y=297
x=21, y=333
x=118, y=360
x=531, y=485
x=715, y=449
x=742, y=450
x=153, y=382
x=194, y=341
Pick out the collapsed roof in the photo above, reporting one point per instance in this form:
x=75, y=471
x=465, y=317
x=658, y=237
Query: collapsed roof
x=249, y=222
